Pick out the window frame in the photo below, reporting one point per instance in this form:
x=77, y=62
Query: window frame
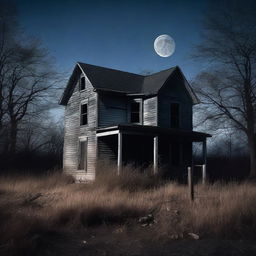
x=83, y=114
x=179, y=115
x=140, y=101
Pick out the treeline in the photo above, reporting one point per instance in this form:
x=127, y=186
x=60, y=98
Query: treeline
x=28, y=92
x=227, y=84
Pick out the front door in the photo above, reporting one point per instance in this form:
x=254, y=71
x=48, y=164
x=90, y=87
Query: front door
x=82, y=155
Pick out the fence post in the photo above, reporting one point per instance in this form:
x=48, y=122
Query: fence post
x=190, y=183
x=120, y=153
x=204, y=174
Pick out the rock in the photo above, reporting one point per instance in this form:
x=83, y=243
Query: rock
x=147, y=220
x=32, y=198
x=177, y=212
x=175, y=236
x=194, y=236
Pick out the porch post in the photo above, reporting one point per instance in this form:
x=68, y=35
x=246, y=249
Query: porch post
x=155, y=154
x=119, y=153
x=204, y=175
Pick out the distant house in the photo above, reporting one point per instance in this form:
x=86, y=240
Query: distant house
x=128, y=118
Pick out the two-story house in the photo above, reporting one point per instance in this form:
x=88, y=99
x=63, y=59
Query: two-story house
x=128, y=118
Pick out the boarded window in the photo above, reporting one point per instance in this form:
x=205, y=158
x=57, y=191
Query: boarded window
x=82, y=155
x=84, y=114
x=136, y=112
x=82, y=83
x=175, y=115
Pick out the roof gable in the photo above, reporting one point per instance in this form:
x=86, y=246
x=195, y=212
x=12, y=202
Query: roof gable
x=182, y=78
x=111, y=80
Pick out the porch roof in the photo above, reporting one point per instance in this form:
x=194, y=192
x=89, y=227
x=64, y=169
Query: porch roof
x=153, y=130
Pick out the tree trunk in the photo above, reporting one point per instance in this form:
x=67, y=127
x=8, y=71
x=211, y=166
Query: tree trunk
x=13, y=137
x=252, y=152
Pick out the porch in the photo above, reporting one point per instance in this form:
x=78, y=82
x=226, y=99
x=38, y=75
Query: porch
x=168, y=151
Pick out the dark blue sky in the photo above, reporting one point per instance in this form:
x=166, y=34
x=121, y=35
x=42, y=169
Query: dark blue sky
x=116, y=34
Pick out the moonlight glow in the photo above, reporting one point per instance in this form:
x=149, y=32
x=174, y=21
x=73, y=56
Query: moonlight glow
x=164, y=45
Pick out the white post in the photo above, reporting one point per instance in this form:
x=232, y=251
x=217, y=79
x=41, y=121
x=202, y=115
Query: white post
x=204, y=175
x=119, y=154
x=155, y=154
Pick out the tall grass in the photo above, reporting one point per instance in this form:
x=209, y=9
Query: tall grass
x=219, y=210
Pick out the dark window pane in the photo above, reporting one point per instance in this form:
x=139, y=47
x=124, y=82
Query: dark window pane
x=82, y=83
x=135, y=112
x=135, y=117
x=84, y=120
x=84, y=109
x=135, y=107
x=175, y=115
x=84, y=115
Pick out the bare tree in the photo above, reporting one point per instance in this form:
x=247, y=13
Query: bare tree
x=26, y=77
x=228, y=91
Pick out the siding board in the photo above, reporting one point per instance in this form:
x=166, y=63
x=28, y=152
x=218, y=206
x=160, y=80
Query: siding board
x=112, y=110
x=150, y=111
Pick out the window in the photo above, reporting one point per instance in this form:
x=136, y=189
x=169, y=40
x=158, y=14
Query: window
x=82, y=165
x=82, y=83
x=136, y=112
x=175, y=115
x=84, y=114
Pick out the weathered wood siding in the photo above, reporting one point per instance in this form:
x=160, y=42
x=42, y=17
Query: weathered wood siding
x=150, y=111
x=112, y=110
x=73, y=131
x=175, y=92
x=107, y=148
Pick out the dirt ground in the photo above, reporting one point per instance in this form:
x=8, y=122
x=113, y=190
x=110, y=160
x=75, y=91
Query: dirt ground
x=102, y=243
x=174, y=248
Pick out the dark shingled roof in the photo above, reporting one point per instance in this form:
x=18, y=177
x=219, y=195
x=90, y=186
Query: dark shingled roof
x=106, y=79
x=111, y=79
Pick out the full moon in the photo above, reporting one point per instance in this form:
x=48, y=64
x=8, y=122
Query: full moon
x=164, y=45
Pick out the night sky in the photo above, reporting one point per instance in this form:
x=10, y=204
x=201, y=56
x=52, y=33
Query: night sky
x=115, y=34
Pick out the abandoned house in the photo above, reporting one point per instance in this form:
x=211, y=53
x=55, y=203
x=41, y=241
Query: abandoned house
x=128, y=118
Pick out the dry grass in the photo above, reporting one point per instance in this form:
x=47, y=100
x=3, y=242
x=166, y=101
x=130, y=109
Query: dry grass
x=63, y=207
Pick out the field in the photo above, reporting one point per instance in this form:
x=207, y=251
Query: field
x=132, y=214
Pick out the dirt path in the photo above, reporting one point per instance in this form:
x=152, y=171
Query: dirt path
x=186, y=247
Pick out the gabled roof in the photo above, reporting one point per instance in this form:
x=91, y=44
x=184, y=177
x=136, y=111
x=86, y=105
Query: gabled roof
x=116, y=81
x=111, y=79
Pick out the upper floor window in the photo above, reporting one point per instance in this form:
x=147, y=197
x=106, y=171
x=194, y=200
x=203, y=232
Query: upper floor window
x=82, y=83
x=175, y=115
x=84, y=114
x=136, y=111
